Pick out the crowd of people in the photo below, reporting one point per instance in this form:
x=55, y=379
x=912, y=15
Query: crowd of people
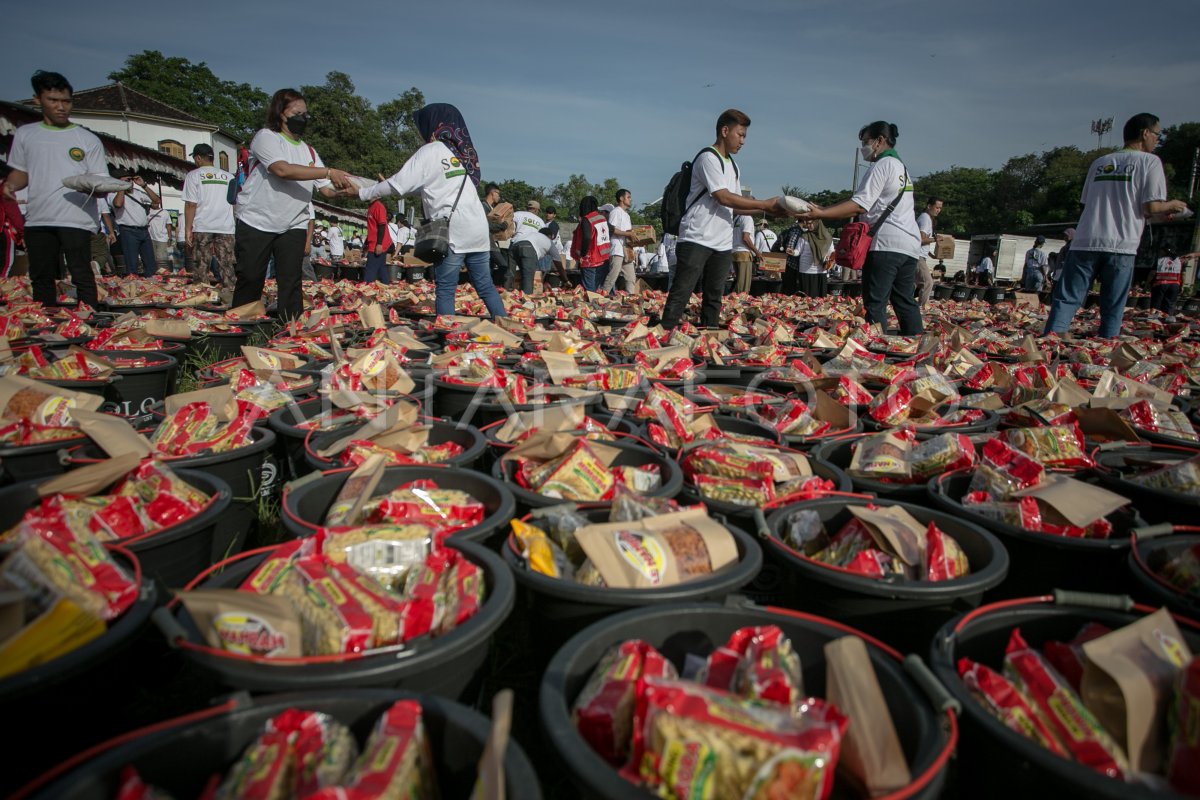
x=237, y=230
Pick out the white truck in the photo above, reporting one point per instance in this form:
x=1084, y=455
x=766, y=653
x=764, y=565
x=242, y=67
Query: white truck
x=1009, y=251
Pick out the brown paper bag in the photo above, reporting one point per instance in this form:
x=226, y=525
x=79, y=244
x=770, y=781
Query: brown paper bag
x=895, y=531
x=356, y=491
x=219, y=398
x=406, y=341
x=1070, y=393
x=114, y=435
x=871, y=751
x=554, y=419
x=371, y=316
x=1032, y=351
x=1077, y=502
x=90, y=479
x=491, y=784
x=1129, y=681
x=493, y=332
x=632, y=555
x=24, y=398
x=560, y=366
x=250, y=311
x=262, y=358
x=168, y=328
x=399, y=416
x=1105, y=425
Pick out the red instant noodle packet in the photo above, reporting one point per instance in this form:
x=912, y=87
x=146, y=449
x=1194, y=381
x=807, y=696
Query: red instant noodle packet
x=1005, y=703
x=1061, y=707
x=603, y=712
x=1067, y=657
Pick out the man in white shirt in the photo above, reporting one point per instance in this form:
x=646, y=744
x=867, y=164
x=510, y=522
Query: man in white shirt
x=1037, y=265
x=59, y=222
x=1120, y=190
x=208, y=218
x=765, y=239
x=620, y=227
x=132, y=211
x=933, y=207
x=160, y=237
x=985, y=269
x=522, y=253
x=337, y=244
x=705, y=247
x=744, y=253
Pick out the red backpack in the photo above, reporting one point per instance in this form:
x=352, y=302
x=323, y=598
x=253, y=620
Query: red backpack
x=855, y=241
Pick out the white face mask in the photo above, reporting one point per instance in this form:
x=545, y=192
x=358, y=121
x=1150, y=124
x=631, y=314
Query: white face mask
x=867, y=152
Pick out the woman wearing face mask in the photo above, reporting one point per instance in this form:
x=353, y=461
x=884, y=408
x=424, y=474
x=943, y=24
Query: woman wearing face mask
x=272, y=207
x=445, y=172
x=891, y=266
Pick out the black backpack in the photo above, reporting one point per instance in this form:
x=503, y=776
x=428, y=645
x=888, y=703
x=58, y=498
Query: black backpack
x=675, y=196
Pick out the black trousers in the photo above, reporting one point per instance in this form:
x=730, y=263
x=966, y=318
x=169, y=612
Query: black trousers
x=1164, y=296
x=46, y=247
x=892, y=276
x=695, y=263
x=814, y=284
x=254, y=251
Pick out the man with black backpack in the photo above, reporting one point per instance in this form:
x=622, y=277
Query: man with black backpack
x=702, y=216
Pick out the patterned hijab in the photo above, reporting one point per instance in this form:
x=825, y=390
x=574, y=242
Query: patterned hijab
x=445, y=124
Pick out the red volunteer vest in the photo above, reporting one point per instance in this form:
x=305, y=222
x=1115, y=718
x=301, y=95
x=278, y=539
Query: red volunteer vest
x=1169, y=271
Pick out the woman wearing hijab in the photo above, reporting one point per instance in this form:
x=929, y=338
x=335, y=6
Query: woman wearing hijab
x=445, y=172
x=890, y=271
x=590, y=243
x=273, y=204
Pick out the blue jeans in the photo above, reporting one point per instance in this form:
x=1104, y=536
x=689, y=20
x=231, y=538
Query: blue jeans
x=376, y=269
x=478, y=272
x=1115, y=271
x=1032, y=281
x=590, y=278
x=136, y=242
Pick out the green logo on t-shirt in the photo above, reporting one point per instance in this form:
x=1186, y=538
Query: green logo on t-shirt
x=76, y=153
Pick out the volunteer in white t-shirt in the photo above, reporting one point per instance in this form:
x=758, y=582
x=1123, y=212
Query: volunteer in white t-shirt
x=58, y=221
x=132, y=211
x=620, y=226
x=765, y=239
x=337, y=243
x=1120, y=190
x=208, y=219
x=1167, y=281
x=890, y=270
x=705, y=246
x=744, y=253
x=445, y=173
x=160, y=237
x=933, y=207
x=273, y=204
x=525, y=224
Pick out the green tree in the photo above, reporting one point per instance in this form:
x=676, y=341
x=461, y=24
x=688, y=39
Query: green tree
x=519, y=193
x=399, y=131
x=967, y=192
x=238, y=108
x=1177, y=150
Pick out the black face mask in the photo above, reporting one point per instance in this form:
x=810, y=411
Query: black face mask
x=297, y=124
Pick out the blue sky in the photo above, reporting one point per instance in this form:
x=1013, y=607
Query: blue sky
x=630, y=89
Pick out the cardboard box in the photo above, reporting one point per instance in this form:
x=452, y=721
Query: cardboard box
x=943, y=248
x=774, y=262
x=412, y=261
x=642, y=235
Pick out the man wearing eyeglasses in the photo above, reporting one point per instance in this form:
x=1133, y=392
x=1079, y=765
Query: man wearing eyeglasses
x=1120, y=190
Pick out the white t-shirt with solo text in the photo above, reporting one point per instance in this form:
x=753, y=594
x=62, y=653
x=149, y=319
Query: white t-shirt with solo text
x=525, y=224
x=208, y=188
x=883, y=181
x=436, y=174
x=268, y=202
x=707, y=222
x=47, y=155
x=1115, y=191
